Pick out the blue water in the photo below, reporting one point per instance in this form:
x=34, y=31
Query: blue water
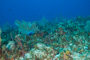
x=63, y=39
x=34, y=10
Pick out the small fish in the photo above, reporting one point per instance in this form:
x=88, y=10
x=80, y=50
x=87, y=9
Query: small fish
x=30, y=33
x=10, y=9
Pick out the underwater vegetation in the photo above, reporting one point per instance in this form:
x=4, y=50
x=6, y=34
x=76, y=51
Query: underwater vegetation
x=26, y=27
x=44, y=40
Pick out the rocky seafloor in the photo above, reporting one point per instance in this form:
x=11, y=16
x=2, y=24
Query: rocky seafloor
x=44, y=40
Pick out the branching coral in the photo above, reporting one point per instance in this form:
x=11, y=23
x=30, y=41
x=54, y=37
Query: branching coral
x=26, y=27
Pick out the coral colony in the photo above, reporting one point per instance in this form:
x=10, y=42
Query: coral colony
x=44, y=40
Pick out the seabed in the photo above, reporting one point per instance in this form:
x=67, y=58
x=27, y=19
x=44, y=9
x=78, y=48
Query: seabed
x=44, y=40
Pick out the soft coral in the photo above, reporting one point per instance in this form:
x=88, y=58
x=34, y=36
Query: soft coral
x=17, y=39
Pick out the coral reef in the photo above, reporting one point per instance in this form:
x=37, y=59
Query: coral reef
x=64, y=40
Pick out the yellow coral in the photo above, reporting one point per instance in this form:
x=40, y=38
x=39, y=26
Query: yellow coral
x=67, y=52
x=66, y=57
x=35, y=46
x=2, y=58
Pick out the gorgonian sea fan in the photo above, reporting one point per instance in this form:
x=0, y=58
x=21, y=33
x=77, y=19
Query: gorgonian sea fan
x=26, y=27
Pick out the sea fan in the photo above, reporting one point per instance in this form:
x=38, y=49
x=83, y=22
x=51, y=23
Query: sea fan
x=26, y=27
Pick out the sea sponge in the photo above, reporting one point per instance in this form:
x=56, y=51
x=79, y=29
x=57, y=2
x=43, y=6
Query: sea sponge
x=11, y=45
